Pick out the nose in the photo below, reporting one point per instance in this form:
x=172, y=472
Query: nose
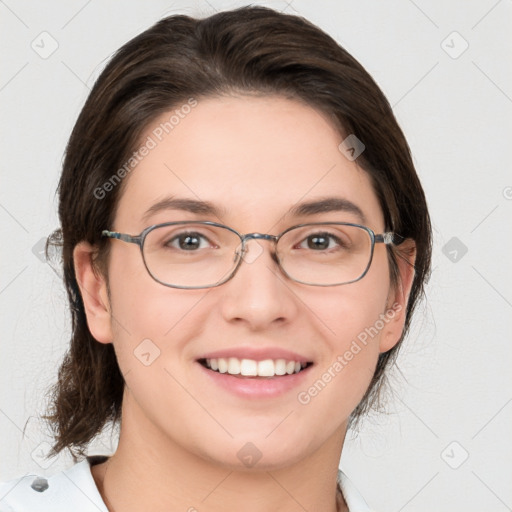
x=258, y=295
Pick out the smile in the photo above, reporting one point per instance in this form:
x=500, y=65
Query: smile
x=253, y=368
x=254, y=380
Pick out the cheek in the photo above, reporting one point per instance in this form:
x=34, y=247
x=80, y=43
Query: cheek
x=349, y=311
x=353, y=318
x=354, y=329
x=149, y=319
x=153, y=329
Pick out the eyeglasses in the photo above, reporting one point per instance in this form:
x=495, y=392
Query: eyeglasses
x=206, y=254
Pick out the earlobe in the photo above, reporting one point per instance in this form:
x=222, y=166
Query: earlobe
x=399, y=296
x=93, y=289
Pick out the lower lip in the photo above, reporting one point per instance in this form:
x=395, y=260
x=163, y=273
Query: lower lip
x=256, y=387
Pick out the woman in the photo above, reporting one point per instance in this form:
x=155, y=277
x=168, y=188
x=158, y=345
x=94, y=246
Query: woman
x=284, y=241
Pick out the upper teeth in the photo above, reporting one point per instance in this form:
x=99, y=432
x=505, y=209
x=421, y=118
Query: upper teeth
x=250, y=367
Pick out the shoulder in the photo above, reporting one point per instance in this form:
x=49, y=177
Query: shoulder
x=73, y=487
x=354, y=499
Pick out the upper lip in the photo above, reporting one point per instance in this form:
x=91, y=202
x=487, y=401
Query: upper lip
x=257, y=354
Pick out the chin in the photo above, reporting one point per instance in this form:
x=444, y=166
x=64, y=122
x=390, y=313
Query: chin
x=258, y=454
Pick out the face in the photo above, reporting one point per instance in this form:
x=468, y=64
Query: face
x=253, y=159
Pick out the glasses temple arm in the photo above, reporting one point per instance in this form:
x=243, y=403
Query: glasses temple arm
x=121, y=236
x=389, y=238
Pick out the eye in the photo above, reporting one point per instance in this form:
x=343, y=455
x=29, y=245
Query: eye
x=188, y=241
x=320, y=242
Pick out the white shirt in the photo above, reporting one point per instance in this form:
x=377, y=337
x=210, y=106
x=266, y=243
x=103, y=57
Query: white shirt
x=75, y=490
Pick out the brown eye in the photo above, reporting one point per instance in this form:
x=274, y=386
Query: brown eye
x=321, y=242
x=188, y=242
x=318, y=242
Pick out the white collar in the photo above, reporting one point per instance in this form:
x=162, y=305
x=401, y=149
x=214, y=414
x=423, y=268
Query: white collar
x=353, y=497
x=75, y=487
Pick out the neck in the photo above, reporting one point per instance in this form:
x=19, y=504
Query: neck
x=151, y=472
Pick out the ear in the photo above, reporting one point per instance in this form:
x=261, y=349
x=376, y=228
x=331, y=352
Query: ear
x=399, y=296
x=93, y=288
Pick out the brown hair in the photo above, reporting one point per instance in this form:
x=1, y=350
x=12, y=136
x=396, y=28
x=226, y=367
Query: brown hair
x=247, y=50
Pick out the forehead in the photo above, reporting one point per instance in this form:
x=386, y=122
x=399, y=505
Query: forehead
x=255, y=158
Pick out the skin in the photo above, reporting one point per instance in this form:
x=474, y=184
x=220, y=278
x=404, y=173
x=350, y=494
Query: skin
x=255, y=158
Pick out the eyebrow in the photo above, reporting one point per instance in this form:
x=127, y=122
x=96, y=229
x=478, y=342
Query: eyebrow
x=325, y=205
x=328, y=204
x=188, y=205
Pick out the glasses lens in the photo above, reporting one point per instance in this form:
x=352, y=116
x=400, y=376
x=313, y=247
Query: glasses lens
x=326, y=254
x=190, y=255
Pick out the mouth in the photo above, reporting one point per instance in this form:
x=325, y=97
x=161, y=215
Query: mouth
x=252, y=369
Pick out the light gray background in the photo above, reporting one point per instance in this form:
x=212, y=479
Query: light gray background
x=453, y=395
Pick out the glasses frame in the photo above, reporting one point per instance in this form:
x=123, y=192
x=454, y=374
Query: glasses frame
x=388, y=238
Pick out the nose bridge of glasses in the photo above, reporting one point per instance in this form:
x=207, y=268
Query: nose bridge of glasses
x=242, y=249
x=259, y=236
